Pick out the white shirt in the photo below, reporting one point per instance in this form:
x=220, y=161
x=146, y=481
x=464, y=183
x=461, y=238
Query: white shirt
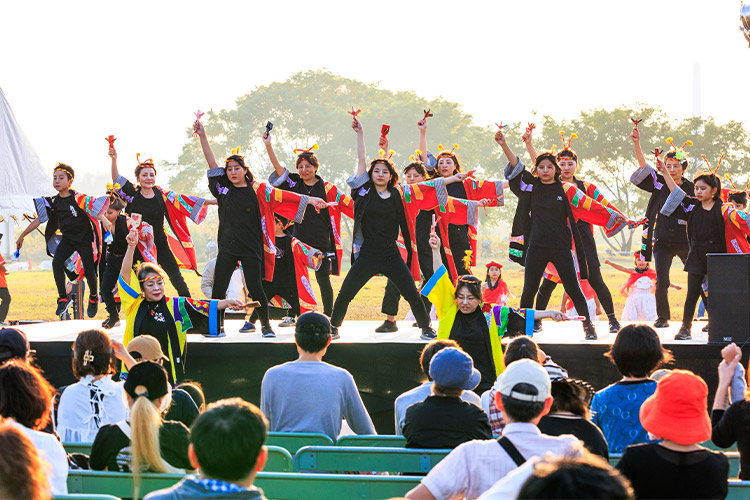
x=87, y=405
x=236, y=290
x=510, y=486
x=51, y=451
x=474, y=467
x=417, y=395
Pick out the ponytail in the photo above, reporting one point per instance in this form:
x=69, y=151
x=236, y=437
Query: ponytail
x=145, y=423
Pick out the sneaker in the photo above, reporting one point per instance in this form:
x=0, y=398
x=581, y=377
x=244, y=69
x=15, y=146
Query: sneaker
x=537, y=325
x=428, y=334
x=661, y=323
x=247, y=327
x=590, y=333
x=614, y=326
x=335, y=333
x=683, y=334
x=705, y=328
x=110, y=322
x=288, y=321
x=62, y=305
x=93, y=307
x=3, y=323
x=387, y=327
x=267, y=332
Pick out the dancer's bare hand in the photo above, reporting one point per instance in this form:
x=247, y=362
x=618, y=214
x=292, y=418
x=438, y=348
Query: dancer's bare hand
x=434, y=240
x=500, y=137
x=635, y=135
x=132, y=238
x=198, y=128
x=726, y=370
x=557, y=316
x=112, y=153
x=422, y=124
x=730, y=351
x=357, y=126
x=266, y=137
x=383, y=143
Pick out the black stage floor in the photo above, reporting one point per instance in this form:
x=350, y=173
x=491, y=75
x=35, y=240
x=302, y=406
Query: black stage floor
x=383, y=365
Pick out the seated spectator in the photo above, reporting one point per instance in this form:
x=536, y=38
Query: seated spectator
x=94, y=400
x=21, y=468
x=195, y=390
x=732, y=425
x=309, y=395
x=145, y=442
x=226, y=447
x=420, y=393
x=570, y=415
x=676, y=467
x=13, y=345
x=443, y=420
x=636, y=353
x=26, y=397
x=523, y=395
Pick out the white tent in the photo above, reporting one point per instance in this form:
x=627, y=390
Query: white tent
x=22, y=176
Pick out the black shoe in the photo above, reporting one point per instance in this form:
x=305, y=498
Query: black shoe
x=537, y=325
x=62, y=305
x=267, y=332
x=93, y=307
x=110, y=322
x=590, y=333
x=248, y=327
x=614, y=326
x=661, y=323
x=683, y=334
x=415, y=324
x=388, y=326
x=705, y=328
x=335, y=333
x=428, y=334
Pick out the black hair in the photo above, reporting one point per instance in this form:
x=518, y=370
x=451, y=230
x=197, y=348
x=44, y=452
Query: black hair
x=67, y=169
x=471, y=283
x=141, y=166
x=522, y=411
x=487, y=276
x=712, y=180
x=547, y=155
x=637, y=351
x=195, y=390
x=447, y=154
x=25, y=395
x=93, y=354
x=672, y=155
x=147, y=268
x=312, y=337
x=570, y=396
x=418, y=166
x=430, y=350
x=394, y=173
x=227, y=439
x=116, y=203
x=310, y=157
x=567, y=153
x=739, y=197
x=241, y=162
x=522, y=347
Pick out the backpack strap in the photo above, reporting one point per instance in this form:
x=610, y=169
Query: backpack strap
x=511, y=450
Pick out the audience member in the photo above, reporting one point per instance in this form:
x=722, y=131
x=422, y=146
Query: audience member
x=676, y=467
x=443, y=420
x=309, y=395
x=22, y=470
x=226, y=447
x=421, y=392
x=523, y=395
x=636, y=353
x=13, y=345
x=195, y=390
x=732, y=425
x=26, y=397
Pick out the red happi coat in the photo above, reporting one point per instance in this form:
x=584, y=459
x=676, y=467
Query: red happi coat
x=459, y=212
x=339, y=203
x=305, y=257
x=593, y=192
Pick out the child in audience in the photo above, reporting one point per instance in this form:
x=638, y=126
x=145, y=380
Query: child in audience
x=636, y=352
x=494, y=289
x=22, y=470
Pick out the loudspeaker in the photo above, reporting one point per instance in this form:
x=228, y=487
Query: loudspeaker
x=728, y=298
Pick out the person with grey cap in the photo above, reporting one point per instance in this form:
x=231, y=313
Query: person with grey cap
x=524, y=396
x=309, y=395
x=444, y=420
x=13, y=345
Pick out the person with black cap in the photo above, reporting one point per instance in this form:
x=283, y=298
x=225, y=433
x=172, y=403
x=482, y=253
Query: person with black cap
x=76, y=216
x=308, y=395
x=13, y=345
x=444, y=420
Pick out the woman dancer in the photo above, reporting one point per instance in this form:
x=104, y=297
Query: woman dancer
x=246, y=224
x=567, y=159
x=550, y=231
x=162, y=209
x=494, y=289
x=713, y=227
x=320, y=229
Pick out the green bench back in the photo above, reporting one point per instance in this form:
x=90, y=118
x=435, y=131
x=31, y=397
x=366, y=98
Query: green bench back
x=293, y=441
x=366, y=459
x=85, y=496
x=733, y=456
x=376, y=441
x=84, y=448
x=738, y=490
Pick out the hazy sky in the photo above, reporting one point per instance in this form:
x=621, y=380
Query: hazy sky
x=75, y=72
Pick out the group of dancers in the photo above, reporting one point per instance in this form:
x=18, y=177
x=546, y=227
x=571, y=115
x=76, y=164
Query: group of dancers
x=552, y=233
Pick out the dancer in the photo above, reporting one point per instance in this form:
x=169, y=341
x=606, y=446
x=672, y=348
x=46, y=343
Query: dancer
x=494, y=289
x=712, y=226
x=116, y=224
x=169, y=319
x=550, y=230
x=319, y=229
x=246, y=216
x=567, y=159
x=164, y=210
x=75, y=215
x=664, y=236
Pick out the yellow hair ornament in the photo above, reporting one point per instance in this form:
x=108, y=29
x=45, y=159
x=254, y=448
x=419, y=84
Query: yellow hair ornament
x=312, y=148
x=382, y=156
x=444, y=151
x=418, y=152
x=467, y=259
x=236, y=151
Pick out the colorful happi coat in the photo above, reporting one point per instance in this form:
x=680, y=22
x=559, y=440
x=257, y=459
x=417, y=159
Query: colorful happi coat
x=305, y=257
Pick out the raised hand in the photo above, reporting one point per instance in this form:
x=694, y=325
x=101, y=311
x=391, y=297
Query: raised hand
x=635, y=135
x=198, y=128
x=132, y=238
x=422, y=124
x=112, y=153
x=730, y=351
x=383, y=143
x=266, y=137
x=434, y=240
x=500, y=137
x=356, y=126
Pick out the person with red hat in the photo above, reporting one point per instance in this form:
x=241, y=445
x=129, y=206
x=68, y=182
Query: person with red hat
x=494, y=289
x=676, y=467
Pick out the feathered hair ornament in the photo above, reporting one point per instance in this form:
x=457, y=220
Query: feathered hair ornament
x=149, y=162
x=445, y=152
x=680, y=153
x=713, y=171
x=735, y=189
x=299, y=151
x=382, y=156
x=112, y=189
x=566, y=147
x=467, y=260
x=416, y=157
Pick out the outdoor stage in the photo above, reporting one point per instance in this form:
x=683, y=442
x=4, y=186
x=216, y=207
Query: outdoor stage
x=383, y=365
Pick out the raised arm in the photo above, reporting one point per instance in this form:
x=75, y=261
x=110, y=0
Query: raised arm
x=127, y=260
x=635, y=135
x=361, y=153
x=272, y=154
x=115, y=172
x=437, y=261
x=617, y=266
x=422, y=125
x=527, y=138
x=667, y=178
x=207, y=152
x=500, y=139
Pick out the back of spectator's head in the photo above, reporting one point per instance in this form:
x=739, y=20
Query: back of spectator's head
x=522, y=347
x=453, y=372
x=430, y=350
x=523, y=391
x=677, y=411
x=93, y=354
x=637, y=351
x=146, y=348
x=195, y=389
x=312, y=333
x=227, y=440
x=22, y=470
x=571, y=395
x=571, y=478
x=13, y=345
x=25, y=395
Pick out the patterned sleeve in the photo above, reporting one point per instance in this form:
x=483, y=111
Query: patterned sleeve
x=679, y=204
x=647, y=178
x=738, y=218
x=588, y=209
x=192, y=207
x=285, y=203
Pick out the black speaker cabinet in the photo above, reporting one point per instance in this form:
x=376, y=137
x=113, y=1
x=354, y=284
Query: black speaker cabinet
x=728, y=298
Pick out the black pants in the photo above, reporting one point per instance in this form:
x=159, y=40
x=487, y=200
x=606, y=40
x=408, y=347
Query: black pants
x=694, y=292
x=537, y=259
x=166, y=260
x=4, y=303
x=458, y=241
x=664, y=253
x=109, y=283
x=64, y=250
x=597, y=284
x=370, y=262
x=288, y=293
x=252, y=268
x=392, y=295
x=323, y=277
